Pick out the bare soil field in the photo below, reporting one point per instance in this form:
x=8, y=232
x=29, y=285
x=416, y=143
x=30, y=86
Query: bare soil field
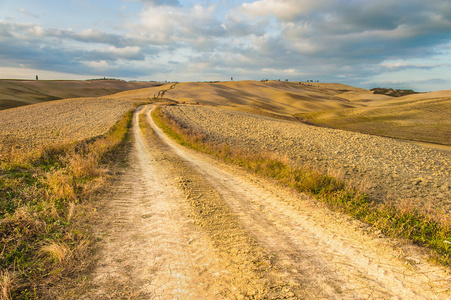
x=275, y=97
x=179, y=225
x=420, y=117
x=14, y=93
x=24, y=128
x=387, y=169
x=424, y=120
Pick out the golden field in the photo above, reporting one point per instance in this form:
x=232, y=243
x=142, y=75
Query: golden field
x=422, y=117
x=62, y=121
x=14, y=93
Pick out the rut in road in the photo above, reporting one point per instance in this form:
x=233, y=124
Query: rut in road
x=180, y=225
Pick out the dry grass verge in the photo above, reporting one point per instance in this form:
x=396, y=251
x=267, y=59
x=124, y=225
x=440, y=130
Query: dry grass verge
x=44, y=209
x=396, y=221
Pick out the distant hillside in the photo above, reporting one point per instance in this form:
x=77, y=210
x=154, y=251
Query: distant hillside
x=422, y=117
x=14, y=93
x=419, y=117
x=271, y=97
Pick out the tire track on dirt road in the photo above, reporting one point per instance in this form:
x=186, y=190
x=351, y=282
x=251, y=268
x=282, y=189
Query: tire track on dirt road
x=178, y=225
x=150, y=249
x=167, y=235
x=327, y=254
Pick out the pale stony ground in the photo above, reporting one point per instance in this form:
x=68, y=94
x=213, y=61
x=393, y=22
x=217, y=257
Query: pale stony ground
x=387, y=169
x=25, y=128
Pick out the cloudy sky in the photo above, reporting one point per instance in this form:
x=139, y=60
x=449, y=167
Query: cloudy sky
x=365, y=43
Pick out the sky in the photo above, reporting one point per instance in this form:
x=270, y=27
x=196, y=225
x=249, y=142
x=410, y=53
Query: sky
x=365, y=43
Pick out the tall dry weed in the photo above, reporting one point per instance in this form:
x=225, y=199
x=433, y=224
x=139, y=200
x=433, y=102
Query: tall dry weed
x=24, y=217
x=70, y=211
x=6, y=283
x=12, y=152
x=49, y=153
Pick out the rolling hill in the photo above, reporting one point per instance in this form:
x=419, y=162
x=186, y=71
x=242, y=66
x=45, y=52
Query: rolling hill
x=14, y=93
x=420, y=117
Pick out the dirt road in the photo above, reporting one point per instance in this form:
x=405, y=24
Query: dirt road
x=388, y=170
x=179, y=225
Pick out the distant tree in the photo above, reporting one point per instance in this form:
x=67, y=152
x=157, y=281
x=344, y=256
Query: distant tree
x=392, y=92
x=37, y=78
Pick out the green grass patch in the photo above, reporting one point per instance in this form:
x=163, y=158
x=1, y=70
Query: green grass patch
x=393, y=221
x=44, y=209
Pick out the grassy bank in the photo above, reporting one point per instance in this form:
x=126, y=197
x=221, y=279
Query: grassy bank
x=44, y=208
x=395, y=221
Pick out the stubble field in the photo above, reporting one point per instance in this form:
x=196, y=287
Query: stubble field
x=388, y=170
x=24, y=128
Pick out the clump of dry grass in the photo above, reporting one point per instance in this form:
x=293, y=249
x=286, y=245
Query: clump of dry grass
x=60, y=184
x=44, y=210
x=5, y=285
x=84, y=166
x=395, y=220
x=59, y=251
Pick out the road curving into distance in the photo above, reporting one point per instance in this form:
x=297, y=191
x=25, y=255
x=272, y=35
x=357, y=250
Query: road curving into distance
x=179, y=225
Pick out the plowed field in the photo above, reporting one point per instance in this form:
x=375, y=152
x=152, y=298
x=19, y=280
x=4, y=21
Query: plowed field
x=25, y=128
x=387, y=169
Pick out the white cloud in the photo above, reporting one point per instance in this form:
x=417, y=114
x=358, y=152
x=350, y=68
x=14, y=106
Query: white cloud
x=169, y=25
x=37, y=31
x=160, y=2
x=279, y=71
x=157, y=24
x=126, y=52
x=91, y=34
x=283, y=9
x=405, y=65
x=103, y=64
